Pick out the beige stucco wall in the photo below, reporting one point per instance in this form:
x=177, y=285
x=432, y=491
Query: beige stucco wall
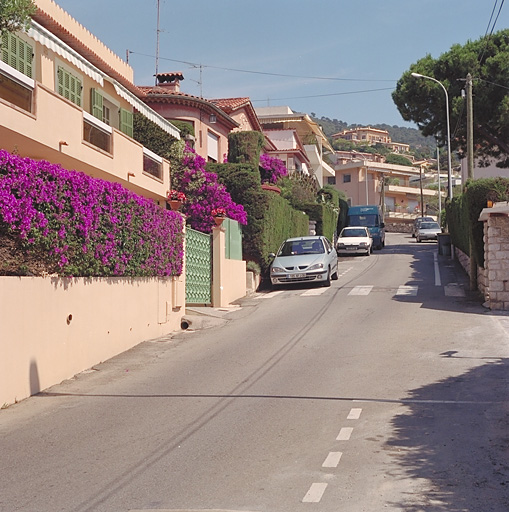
x=229, y=276
x=54, y=328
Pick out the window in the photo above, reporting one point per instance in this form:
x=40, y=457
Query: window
x=15, y=87
x=331, y=180
x=212, y=147
x=69, y=86
x=152, y=164
x=347, y=178
x=17, y=53
x=96, y=132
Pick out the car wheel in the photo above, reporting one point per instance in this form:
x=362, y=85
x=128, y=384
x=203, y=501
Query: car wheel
x=327, y=281
x=335, y=275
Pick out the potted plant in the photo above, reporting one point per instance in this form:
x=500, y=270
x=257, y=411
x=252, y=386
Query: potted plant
x=175, y=199
x=219, y=215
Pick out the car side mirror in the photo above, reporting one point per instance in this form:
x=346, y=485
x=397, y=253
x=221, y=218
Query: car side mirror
x=382, y=225
x=272, y=255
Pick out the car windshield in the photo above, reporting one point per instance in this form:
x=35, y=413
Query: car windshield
x=294, y=247
x=363, y=220
x=353, y=232
x=429, y=225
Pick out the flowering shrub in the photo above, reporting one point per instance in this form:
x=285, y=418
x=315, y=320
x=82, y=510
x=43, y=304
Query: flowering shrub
x=218, y=212
x=271, y=169
x=175, y=195
x=204, y=193
x=89, y=227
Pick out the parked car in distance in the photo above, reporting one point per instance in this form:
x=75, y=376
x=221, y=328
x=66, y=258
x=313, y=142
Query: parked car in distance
x=354, y=240
x=427, y=231
x=304, y=259
x=418, y=221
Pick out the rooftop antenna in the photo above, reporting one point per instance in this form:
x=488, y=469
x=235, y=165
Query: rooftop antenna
x=157, y=39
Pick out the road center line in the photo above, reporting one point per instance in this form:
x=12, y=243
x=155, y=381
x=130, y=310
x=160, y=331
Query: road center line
x=332, y=460
x=354, y=414
x=315, y=493
x=344, y=434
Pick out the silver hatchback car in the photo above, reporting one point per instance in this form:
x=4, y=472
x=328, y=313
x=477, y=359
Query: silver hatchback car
x=304, y=259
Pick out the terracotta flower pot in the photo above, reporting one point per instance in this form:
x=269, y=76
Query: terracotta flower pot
x=174, y=204
x=272, y=188
x=218, y=220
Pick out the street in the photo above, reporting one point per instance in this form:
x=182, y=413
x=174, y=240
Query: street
x=387, y=391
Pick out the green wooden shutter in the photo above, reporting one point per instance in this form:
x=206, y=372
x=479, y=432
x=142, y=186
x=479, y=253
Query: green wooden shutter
x=96, y=104
x=69, y=86
x=126, y=122
x=17, y=53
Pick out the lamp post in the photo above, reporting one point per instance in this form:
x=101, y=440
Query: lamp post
x=449, y=171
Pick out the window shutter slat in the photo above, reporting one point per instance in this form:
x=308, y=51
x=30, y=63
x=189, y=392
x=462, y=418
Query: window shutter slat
x=96, y=102
x=126, y=122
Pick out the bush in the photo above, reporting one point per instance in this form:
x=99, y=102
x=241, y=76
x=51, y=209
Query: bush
x=463, y=213
x=84, y=226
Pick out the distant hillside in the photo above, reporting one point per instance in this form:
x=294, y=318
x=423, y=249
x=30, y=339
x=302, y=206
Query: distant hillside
x=409, y=136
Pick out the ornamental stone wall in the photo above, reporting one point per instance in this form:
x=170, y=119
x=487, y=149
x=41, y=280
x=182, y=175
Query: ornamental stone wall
x=496, y=261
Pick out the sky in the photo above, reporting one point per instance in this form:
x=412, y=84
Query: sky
x=329, y=58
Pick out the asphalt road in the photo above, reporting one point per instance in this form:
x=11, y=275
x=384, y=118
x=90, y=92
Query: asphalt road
x=387, y=391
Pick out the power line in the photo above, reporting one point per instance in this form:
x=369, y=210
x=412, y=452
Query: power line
x=265, y=73
x=486, y=36
x=324, y=95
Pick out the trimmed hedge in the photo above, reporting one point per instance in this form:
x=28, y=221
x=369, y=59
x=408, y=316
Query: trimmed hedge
x=270, y=218
x=326, y=218
x=463, y=213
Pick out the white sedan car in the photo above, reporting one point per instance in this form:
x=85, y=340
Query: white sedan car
x=354, y=240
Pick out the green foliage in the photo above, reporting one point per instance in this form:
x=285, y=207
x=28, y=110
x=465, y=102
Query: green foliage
x=396, y=159
x=281, y=221
x=245, y=147
x=147, y=133
x=298, y=189
x=423, y=101
x=270, y=218
x=326, y=218
x=456, y=213
x=464, y=210
x=185, y=127
x=15, y=15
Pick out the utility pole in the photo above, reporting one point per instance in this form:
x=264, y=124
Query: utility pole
x=470, y=128
x=470, y=170
x=157, y=40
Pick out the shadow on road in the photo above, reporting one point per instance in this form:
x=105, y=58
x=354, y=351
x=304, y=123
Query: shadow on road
x=459, y=450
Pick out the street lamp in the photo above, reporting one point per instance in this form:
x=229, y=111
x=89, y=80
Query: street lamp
x=449, y=171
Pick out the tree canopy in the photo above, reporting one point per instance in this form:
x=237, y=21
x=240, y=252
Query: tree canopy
x=15, y=14
x=423, y=101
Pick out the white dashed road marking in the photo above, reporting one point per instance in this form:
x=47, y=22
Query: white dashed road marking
x=407, y=290
x=315, y=493
x=344, y=434
x=361, y=290
x=314, y=291
x=332, y=460
x=354, y=414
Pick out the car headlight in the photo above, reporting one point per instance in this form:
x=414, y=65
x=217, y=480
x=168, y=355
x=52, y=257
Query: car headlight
x=316, y=266
x=363, y=244
x=341, y=246
x=277, y=270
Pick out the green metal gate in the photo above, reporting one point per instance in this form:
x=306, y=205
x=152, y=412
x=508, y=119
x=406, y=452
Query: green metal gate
x=198, y=267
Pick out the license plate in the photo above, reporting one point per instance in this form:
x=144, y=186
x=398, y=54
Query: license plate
x=296, y=276
x=351, y=248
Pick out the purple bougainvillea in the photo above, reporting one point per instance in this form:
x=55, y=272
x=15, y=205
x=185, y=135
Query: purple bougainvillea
x=271, y=169
x=89, y=227
x=204, y=193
